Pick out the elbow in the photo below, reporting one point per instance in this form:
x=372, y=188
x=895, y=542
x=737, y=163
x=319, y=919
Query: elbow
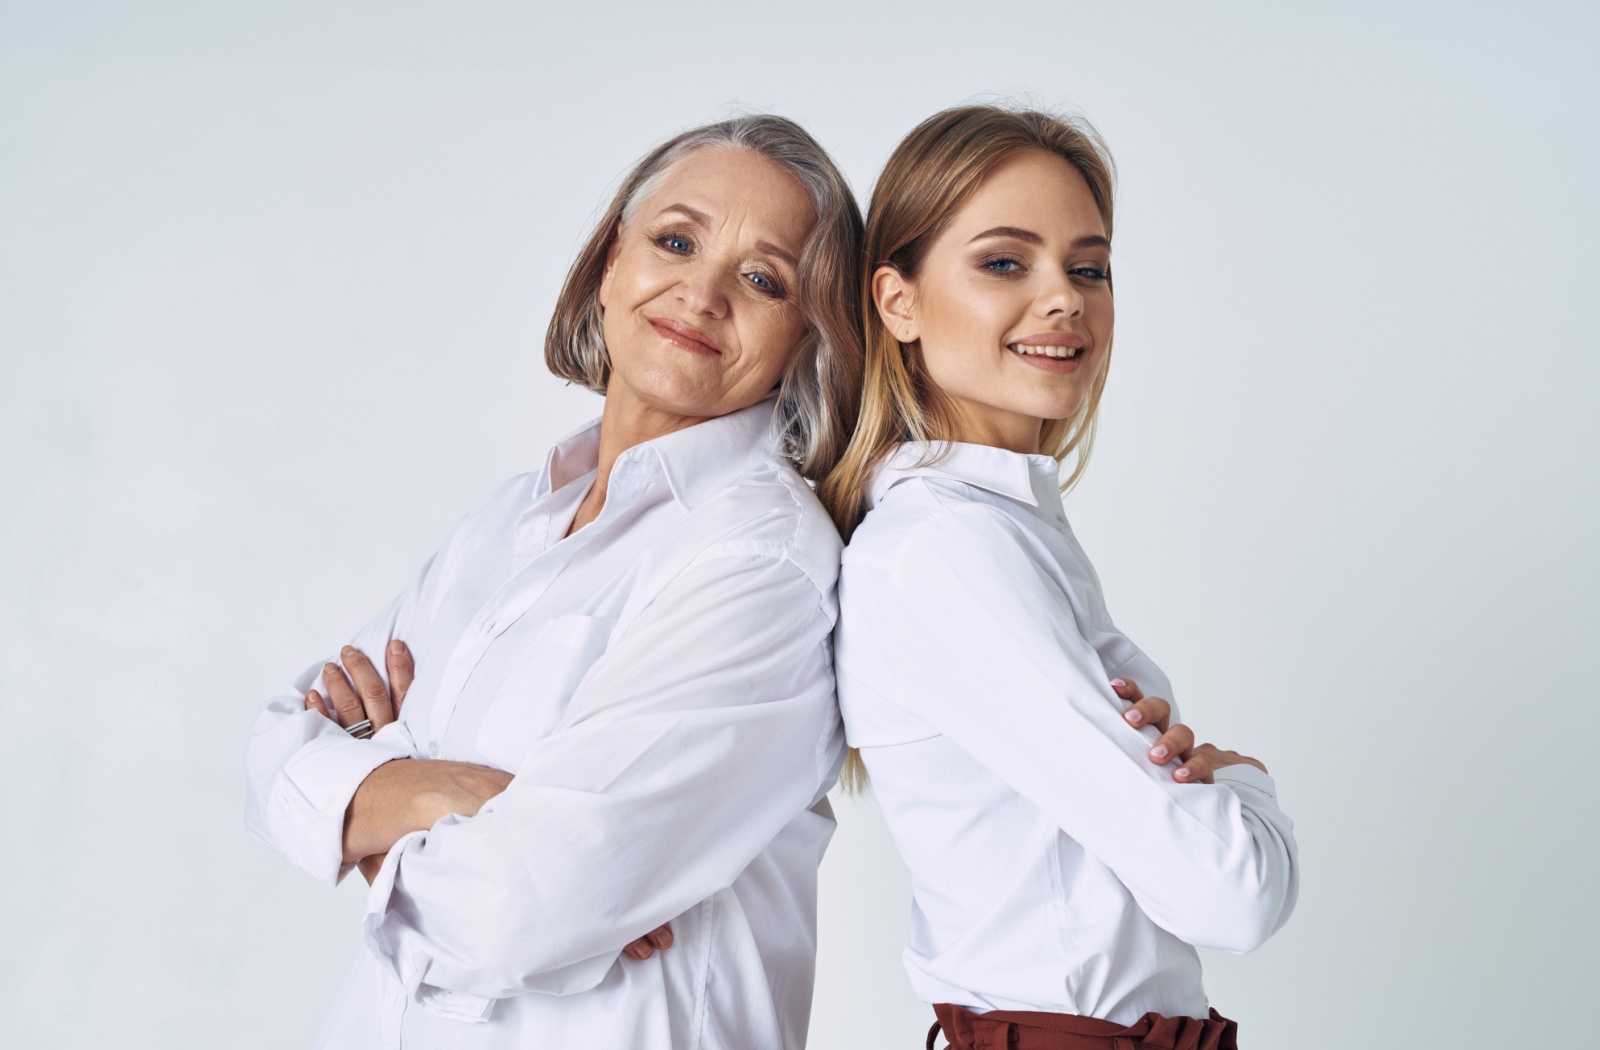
x=1240, y=915
x=518, y=947
x=1240, y=929
x=1233, y=905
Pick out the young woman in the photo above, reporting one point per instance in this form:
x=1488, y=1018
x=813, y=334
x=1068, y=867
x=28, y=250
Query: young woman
x=622, y=711
x=1067, y=851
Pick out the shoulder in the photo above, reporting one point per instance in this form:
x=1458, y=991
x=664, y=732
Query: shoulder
x=507, y=500
x=923, y=518
x=770, y=512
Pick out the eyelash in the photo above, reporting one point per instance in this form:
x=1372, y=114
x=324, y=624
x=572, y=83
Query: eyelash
x=774, y=287
x=1089, y=273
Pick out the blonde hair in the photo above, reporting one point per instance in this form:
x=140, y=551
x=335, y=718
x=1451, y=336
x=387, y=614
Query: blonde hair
x=817, y=396
x=928, y=179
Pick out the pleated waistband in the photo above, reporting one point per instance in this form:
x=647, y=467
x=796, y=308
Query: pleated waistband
x=1023, y=1030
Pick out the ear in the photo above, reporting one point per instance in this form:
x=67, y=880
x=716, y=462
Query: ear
x=611, y=264
x=895, y=296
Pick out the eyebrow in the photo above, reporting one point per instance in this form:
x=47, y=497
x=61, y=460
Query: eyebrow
x=703, y=220
x=768, y=246
x=694, y=214
x=1094, y=240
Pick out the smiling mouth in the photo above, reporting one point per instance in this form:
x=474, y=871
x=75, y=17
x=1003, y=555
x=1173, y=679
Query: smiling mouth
x=1065, y=353
x=684, y=336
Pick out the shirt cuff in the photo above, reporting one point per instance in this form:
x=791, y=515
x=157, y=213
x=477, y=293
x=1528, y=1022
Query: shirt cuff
x=320, y=780
x=390, y=948
x=1245, y=775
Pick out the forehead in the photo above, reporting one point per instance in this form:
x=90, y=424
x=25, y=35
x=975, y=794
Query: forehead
x=1033, y=190
x=740, y=189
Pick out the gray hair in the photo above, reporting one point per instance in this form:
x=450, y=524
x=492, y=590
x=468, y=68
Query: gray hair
x=818, y=395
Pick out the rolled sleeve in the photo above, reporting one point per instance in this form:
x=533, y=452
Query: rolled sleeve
x=302, y=768
x=318, y=782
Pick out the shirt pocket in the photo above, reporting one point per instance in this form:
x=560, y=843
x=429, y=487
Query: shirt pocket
x=536, y=695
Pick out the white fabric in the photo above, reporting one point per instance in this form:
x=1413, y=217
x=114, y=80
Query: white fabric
x=1054, y=867
x=660, y=683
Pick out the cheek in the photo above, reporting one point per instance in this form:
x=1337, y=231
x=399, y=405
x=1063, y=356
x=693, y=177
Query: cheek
x=636, y=278
x=1102, y=315
x=771, y=340
x=630, y=289
x=964, y=330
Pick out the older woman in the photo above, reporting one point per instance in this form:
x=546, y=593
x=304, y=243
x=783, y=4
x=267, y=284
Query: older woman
x=622, y=707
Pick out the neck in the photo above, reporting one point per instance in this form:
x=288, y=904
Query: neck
x=1012, y=432
x=625, y=421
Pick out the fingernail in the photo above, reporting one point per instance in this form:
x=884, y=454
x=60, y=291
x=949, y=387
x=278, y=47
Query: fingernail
x=397, y=647
x=1159, y=751
x=348, y=650
x=1134, y=715
x=1118, y=683
x=1183, y=774
x=330, y=668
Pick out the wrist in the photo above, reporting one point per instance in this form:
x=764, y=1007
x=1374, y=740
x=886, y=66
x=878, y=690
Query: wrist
x=375, y=818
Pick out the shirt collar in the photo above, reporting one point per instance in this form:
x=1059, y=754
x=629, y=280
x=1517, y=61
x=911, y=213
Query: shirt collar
x=701, y=460
x=570, y=458
x=1011, y=474
x=696, y=461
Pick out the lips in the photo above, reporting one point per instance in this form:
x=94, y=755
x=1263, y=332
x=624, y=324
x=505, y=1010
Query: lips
x=1061, y=346
x=686, y=337
x=1034, y=350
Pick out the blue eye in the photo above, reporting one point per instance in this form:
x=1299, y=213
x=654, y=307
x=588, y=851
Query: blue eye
x=1002, y=265
x=766, y=284
x=672, y=242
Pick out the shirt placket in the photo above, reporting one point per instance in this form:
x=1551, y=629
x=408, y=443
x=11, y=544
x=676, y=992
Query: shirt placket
x=508, y=603
x=519, y=594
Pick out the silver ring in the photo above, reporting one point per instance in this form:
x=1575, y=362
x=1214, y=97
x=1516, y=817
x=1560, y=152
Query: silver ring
x=361, y=730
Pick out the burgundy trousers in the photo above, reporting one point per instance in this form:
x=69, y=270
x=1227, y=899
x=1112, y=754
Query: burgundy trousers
x=1021, y=1030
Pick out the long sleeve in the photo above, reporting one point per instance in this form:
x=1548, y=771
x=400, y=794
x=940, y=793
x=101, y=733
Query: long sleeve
x=988, y=651
x=302, y=769
x=706, y=726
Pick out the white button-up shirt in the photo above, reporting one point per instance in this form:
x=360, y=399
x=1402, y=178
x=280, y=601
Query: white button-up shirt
x=1054, y=867
x=660, y=683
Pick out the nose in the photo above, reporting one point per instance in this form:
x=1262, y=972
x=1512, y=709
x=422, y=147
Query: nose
x=703, y=290
x=1060, y=297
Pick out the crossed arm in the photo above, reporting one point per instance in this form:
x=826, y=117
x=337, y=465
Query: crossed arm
x=408, y=795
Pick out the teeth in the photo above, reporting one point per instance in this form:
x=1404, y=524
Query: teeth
x=1066, y=352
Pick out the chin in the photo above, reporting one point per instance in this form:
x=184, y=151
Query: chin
x=674, y=390
x=1049, y=408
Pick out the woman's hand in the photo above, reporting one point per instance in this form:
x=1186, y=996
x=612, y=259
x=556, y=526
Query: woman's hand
x=368, y=866
x=644, y=947
x=363, y=695
x=1177, y=741
x=402, y=796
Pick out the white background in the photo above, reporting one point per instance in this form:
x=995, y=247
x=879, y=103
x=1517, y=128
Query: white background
x=273, y=286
